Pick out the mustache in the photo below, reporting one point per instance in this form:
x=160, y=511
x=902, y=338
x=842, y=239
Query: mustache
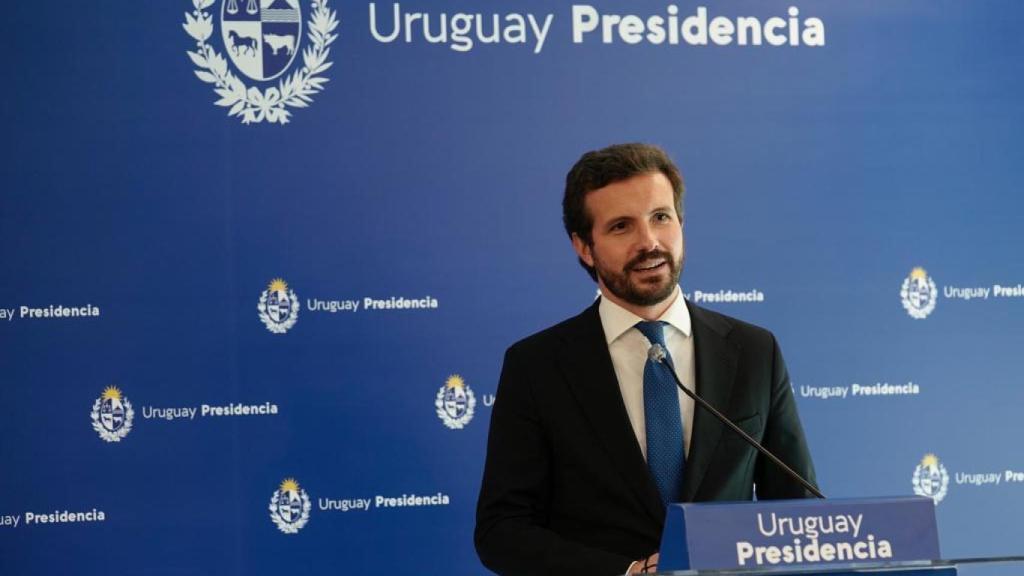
x=632, y=264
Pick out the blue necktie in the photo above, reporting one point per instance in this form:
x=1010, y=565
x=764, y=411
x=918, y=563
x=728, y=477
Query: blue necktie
x=665, y=455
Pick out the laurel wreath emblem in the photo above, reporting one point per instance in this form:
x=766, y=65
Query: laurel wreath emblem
x=936, y=494
x=447, y=419
x=117, y=435
x=922, y=312
x=293, y=313
x=249, y=102
x=281, y=523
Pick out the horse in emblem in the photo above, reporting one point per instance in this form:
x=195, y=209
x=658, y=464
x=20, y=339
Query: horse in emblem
x=261, y=41
x=239, y=43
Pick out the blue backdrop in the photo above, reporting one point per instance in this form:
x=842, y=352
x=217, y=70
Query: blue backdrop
x=163, y=163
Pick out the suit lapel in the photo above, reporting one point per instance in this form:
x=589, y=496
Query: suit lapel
x=716, y=360
x=587, y=367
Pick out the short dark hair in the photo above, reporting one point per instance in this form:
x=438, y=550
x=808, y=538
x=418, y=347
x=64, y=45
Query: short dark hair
x=599, y=168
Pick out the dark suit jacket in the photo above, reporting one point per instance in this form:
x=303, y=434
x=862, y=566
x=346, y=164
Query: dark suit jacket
x=565, y=487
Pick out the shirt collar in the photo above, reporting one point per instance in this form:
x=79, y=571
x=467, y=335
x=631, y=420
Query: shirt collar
x=616, y=320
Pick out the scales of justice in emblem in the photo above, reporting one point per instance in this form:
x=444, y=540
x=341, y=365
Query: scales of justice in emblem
x=250, y=7
x=262, y=37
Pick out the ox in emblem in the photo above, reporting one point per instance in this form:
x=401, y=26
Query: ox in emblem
x=261, y=36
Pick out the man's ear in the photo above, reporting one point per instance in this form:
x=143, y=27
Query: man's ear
x=582, y=250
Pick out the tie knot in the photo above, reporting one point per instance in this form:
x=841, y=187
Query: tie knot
x=653, y=331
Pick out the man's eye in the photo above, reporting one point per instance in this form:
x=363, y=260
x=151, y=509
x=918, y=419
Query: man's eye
x=662, y=217
x=618, y=227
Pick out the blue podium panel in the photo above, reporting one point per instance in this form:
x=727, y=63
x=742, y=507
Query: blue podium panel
x=860, y=571
x=794, y=533
x=866, y=571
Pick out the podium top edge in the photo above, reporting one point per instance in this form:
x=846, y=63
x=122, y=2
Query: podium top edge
x=809, y=501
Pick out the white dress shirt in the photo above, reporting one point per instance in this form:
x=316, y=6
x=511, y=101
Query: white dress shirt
x=628, y=349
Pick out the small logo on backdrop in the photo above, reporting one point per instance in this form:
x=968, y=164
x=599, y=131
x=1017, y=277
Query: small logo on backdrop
x=455, y=403
x=931, y=479
x=919, y=294
x=262, y=39
x=279, y=307
x=112, y=415
x=289, y=507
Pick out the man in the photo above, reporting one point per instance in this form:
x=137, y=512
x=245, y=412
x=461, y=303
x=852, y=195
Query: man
x=589, y=439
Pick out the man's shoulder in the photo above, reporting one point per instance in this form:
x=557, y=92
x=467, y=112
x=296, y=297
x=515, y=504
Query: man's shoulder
x=730, y=328
x=553, y=339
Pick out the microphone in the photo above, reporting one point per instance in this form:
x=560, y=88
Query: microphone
x=656, y=353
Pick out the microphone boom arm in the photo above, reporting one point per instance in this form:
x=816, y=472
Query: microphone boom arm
x=657, y=354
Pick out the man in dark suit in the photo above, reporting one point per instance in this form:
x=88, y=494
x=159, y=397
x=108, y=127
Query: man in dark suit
x=588, y=441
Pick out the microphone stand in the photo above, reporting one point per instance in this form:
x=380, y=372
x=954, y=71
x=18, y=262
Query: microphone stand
x=657, y=353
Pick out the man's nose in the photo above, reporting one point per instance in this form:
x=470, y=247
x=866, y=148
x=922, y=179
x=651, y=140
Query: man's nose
x=647, y=238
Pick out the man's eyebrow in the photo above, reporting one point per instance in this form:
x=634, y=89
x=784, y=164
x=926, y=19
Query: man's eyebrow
x=621, y=218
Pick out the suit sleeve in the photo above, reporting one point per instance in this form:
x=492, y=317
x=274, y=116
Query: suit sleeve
x=784, y=437
x=512, y=536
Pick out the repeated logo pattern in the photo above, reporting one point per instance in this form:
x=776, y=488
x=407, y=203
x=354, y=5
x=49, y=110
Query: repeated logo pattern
x=455, y=403
x=112, y=415
x=289, y=507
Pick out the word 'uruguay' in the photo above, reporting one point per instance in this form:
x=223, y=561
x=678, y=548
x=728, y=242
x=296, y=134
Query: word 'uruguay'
x=982, y=292
x=8, y=520
x=993, y=478
x=810, y=526
x=462, y=31
x=190, y=412
x=459, y=30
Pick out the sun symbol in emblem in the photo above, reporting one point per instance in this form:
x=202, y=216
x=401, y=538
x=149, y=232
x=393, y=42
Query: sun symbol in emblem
x=111, y=393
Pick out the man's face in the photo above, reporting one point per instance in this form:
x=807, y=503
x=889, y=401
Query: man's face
x=637, y=247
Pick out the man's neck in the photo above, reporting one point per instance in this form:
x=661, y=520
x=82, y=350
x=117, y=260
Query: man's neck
x=652, y=312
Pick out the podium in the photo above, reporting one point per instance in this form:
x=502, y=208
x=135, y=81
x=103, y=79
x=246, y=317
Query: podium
x=1001, y=566
x=838, y=537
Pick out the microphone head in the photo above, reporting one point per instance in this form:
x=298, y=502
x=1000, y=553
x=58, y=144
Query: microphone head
x=656, y=353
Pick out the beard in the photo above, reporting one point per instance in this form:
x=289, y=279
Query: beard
x=647, y=293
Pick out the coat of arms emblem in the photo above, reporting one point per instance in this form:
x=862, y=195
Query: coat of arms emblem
x=263, y=39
